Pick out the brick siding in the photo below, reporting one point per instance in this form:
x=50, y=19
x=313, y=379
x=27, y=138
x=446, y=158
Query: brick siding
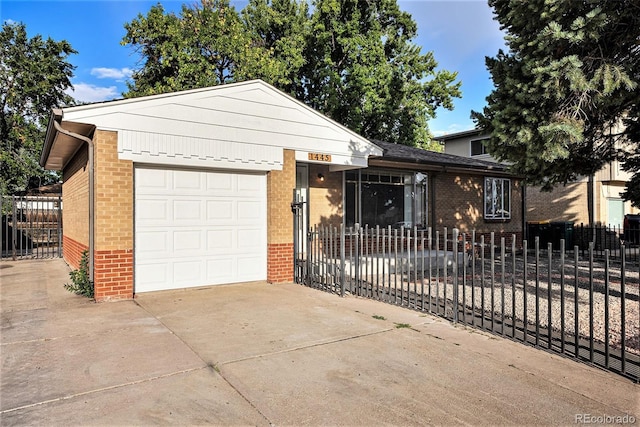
x=72, y=251
x=280, y=263
x=459, y=203
x=280, y=186
x=565, y=203
x=113, y=272
x=75, y=199
x=113, y=258
x=325, y=197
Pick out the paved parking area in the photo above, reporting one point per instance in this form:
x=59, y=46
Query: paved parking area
x=260, y=354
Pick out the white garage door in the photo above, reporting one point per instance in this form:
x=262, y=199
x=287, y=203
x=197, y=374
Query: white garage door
x=198, y=228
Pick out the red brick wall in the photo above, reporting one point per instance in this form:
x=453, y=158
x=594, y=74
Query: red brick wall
x=113, y=270
x=72, y=251
x=280, y=263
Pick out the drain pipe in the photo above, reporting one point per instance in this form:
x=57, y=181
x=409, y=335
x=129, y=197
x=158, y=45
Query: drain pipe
x=56, y=123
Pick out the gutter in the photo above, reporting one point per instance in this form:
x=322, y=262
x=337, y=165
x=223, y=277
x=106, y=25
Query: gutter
x=56, y=119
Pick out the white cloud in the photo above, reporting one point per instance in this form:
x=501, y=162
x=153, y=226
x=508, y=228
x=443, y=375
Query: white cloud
x=111, y=73
x=84, y=92
x=9, y=22
x=452, y=128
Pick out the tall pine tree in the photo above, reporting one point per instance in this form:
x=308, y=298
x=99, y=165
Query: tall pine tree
x=565, y=87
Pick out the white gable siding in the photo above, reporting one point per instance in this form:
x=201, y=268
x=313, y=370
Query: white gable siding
x=242, y=126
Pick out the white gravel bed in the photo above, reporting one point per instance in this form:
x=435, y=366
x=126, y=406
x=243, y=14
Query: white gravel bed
x=631, y=309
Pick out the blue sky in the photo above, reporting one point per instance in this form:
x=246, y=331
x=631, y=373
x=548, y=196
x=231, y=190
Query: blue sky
x=459, y=32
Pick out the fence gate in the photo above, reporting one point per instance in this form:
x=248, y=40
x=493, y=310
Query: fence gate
x=31, y=227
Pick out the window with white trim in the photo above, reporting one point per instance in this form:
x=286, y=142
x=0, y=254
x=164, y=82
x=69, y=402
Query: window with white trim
x=497, y=198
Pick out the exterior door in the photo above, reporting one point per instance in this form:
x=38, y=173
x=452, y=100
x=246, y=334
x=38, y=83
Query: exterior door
x=198, y=228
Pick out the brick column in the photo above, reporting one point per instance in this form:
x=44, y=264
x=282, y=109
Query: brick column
x=113, y=257
x=280, y=186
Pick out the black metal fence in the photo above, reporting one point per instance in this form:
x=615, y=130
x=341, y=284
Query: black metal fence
x=31, y=227
x=568, y=301
x=601, y=237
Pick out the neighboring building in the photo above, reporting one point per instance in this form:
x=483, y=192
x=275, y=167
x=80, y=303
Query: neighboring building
x=589, y=200
x=194, y=188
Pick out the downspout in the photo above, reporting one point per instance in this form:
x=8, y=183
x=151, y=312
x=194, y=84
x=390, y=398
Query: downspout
x=58, y=116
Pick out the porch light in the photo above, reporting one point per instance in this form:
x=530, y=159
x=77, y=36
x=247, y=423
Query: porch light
x=320, y=177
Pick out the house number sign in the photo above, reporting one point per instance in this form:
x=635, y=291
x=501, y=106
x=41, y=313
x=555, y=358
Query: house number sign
x=318, y=157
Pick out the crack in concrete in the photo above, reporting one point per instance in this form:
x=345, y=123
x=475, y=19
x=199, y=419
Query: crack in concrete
x=306, y=346
x=113, y=387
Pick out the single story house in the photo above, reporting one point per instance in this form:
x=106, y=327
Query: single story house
x=194, y=188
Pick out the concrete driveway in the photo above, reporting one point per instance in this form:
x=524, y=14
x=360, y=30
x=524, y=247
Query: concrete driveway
x=260, y=354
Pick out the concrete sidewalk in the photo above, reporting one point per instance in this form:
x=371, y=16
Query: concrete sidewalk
x=259, y=354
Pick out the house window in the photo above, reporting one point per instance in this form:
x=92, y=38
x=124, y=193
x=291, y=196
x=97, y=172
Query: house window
x=497, y=198
x=478, y=147
x=381, y=198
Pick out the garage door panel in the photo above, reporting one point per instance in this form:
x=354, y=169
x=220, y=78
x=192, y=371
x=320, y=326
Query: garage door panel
x=220, y=240
x=187, y=210
x=220, y=210
x=250, y=239
x=187, y=273
x=153, y=210
x=253, y=266
x=149, y=275
x=187, y=240
x=221, y=182
x=187, y=182
x=248, y=185
x=221, y=270
x=249, y=210
x=198, y=228
x=152, y=243
x=153, y=179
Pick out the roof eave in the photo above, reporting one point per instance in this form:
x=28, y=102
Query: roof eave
x=434, y=165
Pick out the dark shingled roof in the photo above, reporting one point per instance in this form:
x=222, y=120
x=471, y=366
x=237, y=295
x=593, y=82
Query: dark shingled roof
x=406, y=154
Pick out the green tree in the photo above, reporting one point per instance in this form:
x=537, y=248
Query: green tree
x=364, y=71
x=34, y=73
x=353, y=60
x=282, y=27
x=205, y=45
x=568, y=82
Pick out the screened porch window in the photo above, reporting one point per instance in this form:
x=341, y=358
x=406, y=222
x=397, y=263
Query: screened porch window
x=497, y=198
x=380, y=198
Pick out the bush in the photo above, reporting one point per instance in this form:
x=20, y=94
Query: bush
x=80, y=282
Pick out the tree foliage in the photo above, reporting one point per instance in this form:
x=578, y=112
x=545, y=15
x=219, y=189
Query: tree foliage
x=364, y=71
x=205, y=45
x=34, y=73
x=353, y=60
x=565, y=87
x=280, y=26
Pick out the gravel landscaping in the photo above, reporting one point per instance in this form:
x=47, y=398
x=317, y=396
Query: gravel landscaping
x=477, y=291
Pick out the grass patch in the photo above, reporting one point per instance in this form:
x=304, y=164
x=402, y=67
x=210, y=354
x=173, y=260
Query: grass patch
x=375, y=316
x=402, y=325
